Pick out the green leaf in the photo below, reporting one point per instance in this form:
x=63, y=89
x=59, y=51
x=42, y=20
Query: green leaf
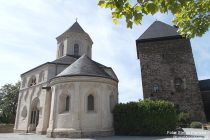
x=115, y=21
x=129, y=24
x=137, y=19
x=102, y=3
x=151, y=8
x=137, y=8
x=192, y=16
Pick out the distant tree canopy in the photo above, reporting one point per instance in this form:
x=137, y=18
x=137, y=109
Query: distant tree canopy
x=8, y=102
x=192, y=17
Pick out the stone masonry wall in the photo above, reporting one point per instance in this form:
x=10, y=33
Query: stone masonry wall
x=164, y=61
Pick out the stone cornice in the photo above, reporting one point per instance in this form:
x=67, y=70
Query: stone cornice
x=60, y=80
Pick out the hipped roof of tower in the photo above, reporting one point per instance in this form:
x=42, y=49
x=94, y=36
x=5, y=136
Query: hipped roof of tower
x=84, y=66
x=76, y=28
x=158, y=31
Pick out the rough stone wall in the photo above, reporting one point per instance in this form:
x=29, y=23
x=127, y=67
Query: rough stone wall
x=164, y=61
x=206, y=102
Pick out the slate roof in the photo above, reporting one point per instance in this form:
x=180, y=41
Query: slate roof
x=204, y=85
x=74, y=28
x=84, y=66
x=159, y=30
x=67, y=59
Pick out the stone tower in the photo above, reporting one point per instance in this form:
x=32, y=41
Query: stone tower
x=75, y=42
x=168, y=69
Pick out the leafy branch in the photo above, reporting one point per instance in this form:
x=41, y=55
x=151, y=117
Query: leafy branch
x=191, y=16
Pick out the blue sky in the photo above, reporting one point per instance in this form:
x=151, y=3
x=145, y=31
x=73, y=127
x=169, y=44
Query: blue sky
x=28, y=29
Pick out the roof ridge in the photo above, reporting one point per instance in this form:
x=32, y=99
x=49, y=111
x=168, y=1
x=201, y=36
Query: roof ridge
x=158, y=29
x=75, y=28
x=84, y=66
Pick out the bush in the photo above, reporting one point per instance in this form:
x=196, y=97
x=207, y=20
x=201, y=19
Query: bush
x=183, y=119
x=196, y=125
x=145, y=117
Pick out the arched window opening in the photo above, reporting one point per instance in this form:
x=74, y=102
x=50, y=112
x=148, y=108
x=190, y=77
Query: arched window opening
x=156, y=88
x=34, y=119
x=32, y=81
x=111, y=102
x=178, y=84
x=64, y=103
x=35, y=116
x=67, y=103
x=90, y=103
x=61, y=50
x=76, y=49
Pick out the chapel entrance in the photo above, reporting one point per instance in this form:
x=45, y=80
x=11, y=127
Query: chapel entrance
x=34, y=119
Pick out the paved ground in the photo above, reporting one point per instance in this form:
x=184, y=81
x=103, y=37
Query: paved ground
x=191, y=134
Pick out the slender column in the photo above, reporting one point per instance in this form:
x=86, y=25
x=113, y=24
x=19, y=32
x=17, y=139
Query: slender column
x=52, y=113
x=18, y=111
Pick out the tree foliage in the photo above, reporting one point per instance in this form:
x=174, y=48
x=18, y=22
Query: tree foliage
x=8, y=102
x=191, y=16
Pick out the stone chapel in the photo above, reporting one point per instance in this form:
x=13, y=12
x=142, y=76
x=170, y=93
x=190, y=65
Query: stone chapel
x=72, y=96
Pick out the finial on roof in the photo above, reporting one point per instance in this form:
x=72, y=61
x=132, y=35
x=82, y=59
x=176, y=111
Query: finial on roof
x=76, y=19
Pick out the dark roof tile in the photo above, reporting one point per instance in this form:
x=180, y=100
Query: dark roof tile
x=76, y=28
x=84, y=66
x=158, y=29
x=67, y=59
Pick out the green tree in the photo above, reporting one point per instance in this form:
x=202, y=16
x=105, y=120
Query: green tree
x=8, y=102
x=191, y=16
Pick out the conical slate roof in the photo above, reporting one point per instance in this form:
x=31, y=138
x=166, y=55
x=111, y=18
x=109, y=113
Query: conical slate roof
x=75, y=28
x=159, y=29
x=84, y=66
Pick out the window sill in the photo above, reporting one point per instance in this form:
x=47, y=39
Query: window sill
x=65, y=112
x=91, y=112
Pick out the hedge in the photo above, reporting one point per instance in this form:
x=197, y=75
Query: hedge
x=196, y=125
x=183, y=119
x=146, y=117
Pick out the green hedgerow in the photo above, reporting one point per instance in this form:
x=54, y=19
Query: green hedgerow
x=183, y=119
x=196, y=125
x=146, y=117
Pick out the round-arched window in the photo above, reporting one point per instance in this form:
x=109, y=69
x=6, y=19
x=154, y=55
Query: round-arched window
x=90, y=103
x=178, y=83
x=32, y=81
x=67, y=106
x=61, y=50
x=76, y=49
x=156, y=88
